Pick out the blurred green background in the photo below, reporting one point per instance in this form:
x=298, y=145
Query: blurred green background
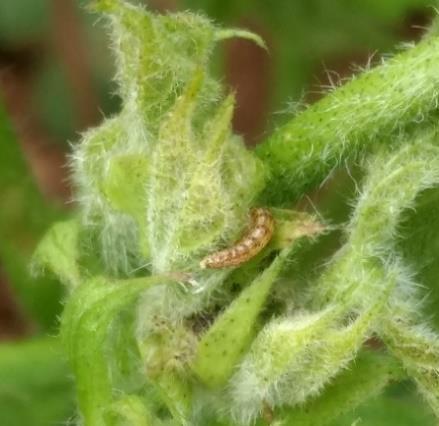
x=55, y=81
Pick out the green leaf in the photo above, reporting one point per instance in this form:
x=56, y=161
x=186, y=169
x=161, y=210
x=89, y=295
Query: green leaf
x=126, y=183
x=35, y=386
x=58, y=251
x=398, y=406
x=88, y=317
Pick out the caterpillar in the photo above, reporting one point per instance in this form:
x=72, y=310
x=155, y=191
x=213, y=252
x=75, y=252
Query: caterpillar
x=249, y=245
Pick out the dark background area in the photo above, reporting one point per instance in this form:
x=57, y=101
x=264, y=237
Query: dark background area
x=55, y=81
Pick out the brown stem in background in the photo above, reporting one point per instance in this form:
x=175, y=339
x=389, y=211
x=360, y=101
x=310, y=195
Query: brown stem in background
x=71, y=48
x=45, y=158
x=248, y=70
x=13, y=323
x=163, y=5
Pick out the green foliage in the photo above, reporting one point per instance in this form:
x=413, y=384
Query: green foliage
x=398, y=405
x=152, y=337
x=35, y=388
x=55, y=101
x=24, y=216
x=60, y=243
x=373, y=370
x=234, y=329
x=419, y=244
x=162, y=78
x=92, y=307
x=23, y=19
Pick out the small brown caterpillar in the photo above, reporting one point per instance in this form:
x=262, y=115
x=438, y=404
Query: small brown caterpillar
x=255, y=239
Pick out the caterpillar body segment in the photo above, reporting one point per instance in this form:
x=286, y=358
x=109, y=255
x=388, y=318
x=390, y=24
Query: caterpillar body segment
x=251, y=243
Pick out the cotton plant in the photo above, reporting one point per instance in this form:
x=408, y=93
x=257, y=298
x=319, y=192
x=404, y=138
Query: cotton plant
x=153, y=336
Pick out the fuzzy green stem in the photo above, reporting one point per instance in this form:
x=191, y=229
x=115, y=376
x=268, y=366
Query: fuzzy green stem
x=393, y=183
x=417, y=346
x=372, y=108
x=366, y=378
